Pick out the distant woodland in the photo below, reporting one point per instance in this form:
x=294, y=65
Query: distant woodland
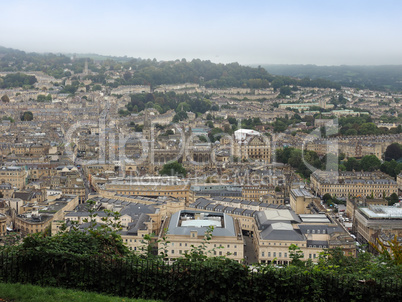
x=139, y=71
x=387, y=77
x=152, y=72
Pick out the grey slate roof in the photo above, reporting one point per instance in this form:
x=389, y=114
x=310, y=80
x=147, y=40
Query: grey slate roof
x=227, y=230
x=281, y=231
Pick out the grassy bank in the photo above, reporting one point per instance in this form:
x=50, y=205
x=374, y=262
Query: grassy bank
x=29, y=293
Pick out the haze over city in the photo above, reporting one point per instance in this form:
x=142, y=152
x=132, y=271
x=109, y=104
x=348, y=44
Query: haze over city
x=256, y=32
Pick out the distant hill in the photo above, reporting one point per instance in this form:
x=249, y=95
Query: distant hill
x=386, y=77
x=96, y=57
x=151, y=72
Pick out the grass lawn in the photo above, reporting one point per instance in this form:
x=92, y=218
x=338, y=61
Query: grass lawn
x=30, y=293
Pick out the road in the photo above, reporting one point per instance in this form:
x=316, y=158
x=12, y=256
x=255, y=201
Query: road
x=249, y=253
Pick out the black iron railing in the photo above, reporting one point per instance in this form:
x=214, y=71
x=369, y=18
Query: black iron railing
x=185, y=281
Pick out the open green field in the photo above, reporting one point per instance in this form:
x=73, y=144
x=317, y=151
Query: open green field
x=30, y=293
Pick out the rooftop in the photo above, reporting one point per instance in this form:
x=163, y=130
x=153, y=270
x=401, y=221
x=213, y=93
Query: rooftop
x=389, y=212
x=186, y=221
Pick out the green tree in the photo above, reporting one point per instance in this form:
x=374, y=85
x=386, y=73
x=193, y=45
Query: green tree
x=43, y=98
x=180, y=116
x=327, y=197
x=96, y=87
x=183, y=106
x=285, y=90
x=97, y=239
x=352, y=164
x=9, y=118
x=215, y=134
x=393, y=199
x=210, y=124
x=232, y=120
x=368, y=129
x=27, y=116
x=5, y=98
x=394, y=256
x=296, y=254
x=393, y=151
x=173, y=169
x=370, y=163
x=392, y=168
x=203, y=138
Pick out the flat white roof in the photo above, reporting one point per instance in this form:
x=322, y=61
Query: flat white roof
x=282, y=226
x=199, y=223
x=282, y=214
x=382, y=212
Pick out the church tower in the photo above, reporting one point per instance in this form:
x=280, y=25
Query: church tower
x=86, y=72
x=146, y=130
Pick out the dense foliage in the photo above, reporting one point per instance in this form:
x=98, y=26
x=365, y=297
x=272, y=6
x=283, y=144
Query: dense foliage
x=173, y=169
x=163, y=102
x=393, y=152
x=371, y=163
x=13, y=80
x=151, y=72
x=97, y=260
x=26, y=116
x=297, y=158
x=371, y=77
x=200, y=278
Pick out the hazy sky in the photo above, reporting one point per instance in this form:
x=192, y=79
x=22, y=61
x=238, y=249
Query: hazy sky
x=323, y=32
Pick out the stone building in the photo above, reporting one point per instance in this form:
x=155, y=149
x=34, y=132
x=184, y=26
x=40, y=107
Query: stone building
x=187, y=228
x=300, y=201
x=16, y=176
x=276, y=230
x=345, y=184
x=373, y=222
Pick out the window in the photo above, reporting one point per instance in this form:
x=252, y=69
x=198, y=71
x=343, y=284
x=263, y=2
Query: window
x=172, y=251
x=274, y=254
x=262, y=254
x=280, y=255
x=269, y=254
x=286, y=255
